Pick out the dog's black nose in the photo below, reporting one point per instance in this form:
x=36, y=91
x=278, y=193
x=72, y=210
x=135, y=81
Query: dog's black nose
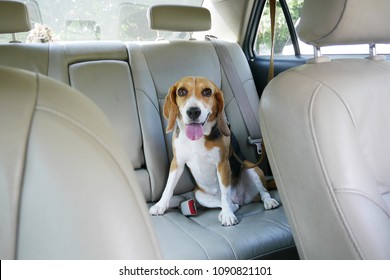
x=193, y=113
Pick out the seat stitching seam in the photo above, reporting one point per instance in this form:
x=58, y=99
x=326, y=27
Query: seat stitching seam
x=23, y=171
x=325, y=175
x=364, y=195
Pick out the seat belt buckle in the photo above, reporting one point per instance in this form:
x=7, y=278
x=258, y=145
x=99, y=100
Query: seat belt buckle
x=188, y=208
x=258, y=143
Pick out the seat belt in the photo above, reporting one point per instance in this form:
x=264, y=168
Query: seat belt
x=272, y=12
x=250, y=120
x=249, y=117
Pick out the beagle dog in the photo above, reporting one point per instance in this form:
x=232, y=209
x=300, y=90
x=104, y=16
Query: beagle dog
x=194, y=107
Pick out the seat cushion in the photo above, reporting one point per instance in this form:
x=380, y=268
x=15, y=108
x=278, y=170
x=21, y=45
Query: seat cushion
x=259, y=234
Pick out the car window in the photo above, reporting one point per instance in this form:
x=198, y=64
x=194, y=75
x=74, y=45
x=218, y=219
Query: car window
x=70, y=20
x=283, y=42
x=282, y=34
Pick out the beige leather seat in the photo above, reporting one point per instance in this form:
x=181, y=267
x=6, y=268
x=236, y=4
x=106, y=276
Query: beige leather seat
x=67, y=190
x=326, y=126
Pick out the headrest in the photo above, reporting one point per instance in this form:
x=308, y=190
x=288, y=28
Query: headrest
x=344, y=22
x=179, y=18
x=13, y=17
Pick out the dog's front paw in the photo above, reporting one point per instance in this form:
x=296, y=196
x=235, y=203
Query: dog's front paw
x=157, y=209
x=227, y=219
x=270, y=203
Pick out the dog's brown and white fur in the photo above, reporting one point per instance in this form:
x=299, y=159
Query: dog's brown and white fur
x=196, y=105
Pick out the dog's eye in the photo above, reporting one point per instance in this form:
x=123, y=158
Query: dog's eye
x=206, y=92
x=182, y=92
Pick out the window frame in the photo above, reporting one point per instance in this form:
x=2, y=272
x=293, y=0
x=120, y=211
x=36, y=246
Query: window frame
x=253, y=25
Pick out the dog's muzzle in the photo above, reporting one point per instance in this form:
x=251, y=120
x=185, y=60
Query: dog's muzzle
x=193, y=113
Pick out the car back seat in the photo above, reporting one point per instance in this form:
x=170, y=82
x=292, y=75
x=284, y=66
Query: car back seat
x=155, y=67
x=129, y=83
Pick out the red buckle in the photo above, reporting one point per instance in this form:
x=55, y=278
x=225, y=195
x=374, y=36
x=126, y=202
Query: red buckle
x=188, y=208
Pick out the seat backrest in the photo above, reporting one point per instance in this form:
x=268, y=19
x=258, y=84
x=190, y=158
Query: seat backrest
x=149, y=63
x=13, y=17
x=325, y=126
x=99, y=71
x=67, y=190
x=102, y=73
x=33, y=57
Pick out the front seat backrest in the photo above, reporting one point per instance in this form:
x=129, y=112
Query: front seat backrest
x=326, y=126
x=67, y=190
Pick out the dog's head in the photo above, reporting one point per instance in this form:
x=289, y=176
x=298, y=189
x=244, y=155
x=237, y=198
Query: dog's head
x=198, y=104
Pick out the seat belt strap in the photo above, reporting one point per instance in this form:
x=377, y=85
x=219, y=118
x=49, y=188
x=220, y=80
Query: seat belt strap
x=249, y=117
x=272, y=10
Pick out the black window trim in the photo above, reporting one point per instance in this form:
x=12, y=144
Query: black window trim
x=253, y=25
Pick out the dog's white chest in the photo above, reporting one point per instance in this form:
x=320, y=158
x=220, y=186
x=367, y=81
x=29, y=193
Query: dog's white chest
x=202, y=162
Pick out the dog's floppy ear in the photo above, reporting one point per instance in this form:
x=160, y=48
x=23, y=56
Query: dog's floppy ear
x=171, y=110
x=221, y=118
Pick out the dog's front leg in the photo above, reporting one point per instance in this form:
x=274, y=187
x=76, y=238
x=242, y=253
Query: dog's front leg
x=175, y=172
x=226, y=216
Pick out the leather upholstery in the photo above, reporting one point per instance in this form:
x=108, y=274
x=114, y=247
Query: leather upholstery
x=342, y=22
x=259, y=235
x=67, y=191
x=31, y=57
x=325, y=126
x=13, y=17
x=179, y=18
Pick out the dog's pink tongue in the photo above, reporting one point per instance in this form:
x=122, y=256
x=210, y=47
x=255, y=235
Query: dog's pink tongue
x=194, y=131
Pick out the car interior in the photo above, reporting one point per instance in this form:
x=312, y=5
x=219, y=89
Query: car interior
x=84, y=151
